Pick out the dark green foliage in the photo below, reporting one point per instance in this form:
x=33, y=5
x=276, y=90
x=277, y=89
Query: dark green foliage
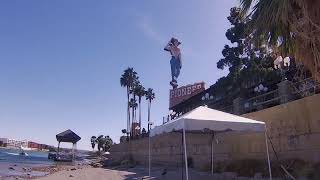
x=104, y=143
x=248, y=65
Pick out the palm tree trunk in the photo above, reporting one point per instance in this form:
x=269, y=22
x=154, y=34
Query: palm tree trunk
x=135, y=114
x=140, y=114
x=149, y=106
x=131, y=127
x=128, y=111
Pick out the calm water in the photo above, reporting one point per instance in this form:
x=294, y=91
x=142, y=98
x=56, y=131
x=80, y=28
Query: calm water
x=12, y=156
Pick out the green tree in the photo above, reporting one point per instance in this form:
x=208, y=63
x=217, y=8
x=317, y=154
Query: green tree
x=93, y=141
x=100, y=142
x=149, y=97
x=104, y=143
x=289, y=28
x=127, y=80
x=108, y=144
x=248, y=64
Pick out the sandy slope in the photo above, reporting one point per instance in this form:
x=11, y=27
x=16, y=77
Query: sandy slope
x=89, y=173
x=137, y=173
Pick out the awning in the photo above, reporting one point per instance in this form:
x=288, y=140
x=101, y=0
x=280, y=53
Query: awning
x=68, y=136
x=205, y=118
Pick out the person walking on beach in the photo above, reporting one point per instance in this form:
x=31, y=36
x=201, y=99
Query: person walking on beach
x=175, y=61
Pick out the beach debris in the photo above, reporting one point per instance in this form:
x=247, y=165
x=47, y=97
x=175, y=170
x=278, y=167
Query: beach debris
x=11, y=168
x=96, y=165
x=164, y=172
x=71, y=175
x=73, y=169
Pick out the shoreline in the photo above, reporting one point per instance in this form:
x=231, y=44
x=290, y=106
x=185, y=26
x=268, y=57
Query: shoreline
x=10, y=171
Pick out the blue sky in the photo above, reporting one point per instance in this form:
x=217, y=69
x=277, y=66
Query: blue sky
x=60, y=61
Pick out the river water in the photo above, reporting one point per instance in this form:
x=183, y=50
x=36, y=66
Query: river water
x=12, y=163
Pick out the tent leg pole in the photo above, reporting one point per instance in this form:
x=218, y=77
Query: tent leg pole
x=182, y=156
x=268, y=156
x=212, y=153
x=185, y=153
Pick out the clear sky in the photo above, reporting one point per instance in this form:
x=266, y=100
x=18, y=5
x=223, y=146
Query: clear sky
x=61, y=61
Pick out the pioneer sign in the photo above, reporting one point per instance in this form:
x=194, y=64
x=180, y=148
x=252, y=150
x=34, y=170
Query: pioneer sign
x=185, y=92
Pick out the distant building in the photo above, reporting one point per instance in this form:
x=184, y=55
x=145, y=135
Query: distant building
x=37, y=146
x=6, y=142
x=3, y=142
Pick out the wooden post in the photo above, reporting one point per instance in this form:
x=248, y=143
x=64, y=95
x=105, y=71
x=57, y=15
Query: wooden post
x=58, y=147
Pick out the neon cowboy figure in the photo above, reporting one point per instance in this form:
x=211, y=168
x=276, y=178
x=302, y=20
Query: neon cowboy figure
x=175, y=61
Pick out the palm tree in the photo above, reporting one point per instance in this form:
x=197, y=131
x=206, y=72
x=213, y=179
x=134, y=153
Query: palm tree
x=140, y=92
x=101, y=141
x=149, y=97
x=133, y=104
x=290, y=28
x=128, y=78
x=93, y=141
x=134, y=92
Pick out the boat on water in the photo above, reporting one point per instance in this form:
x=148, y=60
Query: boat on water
x=23, y=154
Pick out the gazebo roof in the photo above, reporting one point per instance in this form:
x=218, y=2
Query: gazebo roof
x=68, y=136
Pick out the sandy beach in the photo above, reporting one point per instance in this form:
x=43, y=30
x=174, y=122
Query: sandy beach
x=137, y=173
x=90, y=173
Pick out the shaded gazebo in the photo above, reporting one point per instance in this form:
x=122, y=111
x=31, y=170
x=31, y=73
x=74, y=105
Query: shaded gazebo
x=69, y=137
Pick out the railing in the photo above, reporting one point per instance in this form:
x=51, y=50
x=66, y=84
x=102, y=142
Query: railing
x=304, y=88
x=262, y=101
x=293, y=91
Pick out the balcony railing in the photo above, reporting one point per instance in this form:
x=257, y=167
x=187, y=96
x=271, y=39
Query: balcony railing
x=262, y=101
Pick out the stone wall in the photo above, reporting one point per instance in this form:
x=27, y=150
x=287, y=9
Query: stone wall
x=294, y=129
x=167, y=149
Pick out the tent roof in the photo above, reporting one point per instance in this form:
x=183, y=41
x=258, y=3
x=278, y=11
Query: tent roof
x=68, y=136
x=205, y=118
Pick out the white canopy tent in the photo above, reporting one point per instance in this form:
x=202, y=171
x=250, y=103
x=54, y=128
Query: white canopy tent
x=203, y=118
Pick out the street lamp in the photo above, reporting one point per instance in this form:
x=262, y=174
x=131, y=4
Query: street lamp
x=260, y=88
x=282, y=65
x=207, y=97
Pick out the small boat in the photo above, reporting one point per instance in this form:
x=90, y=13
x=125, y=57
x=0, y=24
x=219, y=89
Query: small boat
x=63, y=158
x=23, y=154
x=52, y=155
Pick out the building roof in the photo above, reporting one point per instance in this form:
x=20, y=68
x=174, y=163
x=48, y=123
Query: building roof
x=68, y=136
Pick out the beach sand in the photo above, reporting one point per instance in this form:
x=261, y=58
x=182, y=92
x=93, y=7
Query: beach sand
x=137, y=173
x=89, y=173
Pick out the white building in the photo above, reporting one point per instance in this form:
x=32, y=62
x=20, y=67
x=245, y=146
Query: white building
x=13, y=143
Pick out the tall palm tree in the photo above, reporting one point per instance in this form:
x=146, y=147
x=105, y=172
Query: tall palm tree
x=134, y=92
x=149, y=97
x=128, y=78
x=140, y=92
x=133, y=104
x=289, y=27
